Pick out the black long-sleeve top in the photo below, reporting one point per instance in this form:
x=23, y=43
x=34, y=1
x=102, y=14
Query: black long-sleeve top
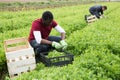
x=96, y=10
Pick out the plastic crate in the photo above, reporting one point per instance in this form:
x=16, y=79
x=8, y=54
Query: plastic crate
x=65, y=59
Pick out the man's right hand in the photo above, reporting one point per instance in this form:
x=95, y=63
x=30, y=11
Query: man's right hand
x=102, y=16
x=56, y=45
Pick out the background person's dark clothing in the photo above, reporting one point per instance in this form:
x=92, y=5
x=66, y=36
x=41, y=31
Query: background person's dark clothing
x=96, y=10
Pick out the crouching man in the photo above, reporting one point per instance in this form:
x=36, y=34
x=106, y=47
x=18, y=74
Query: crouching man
x=98, y=10
x=39, y=37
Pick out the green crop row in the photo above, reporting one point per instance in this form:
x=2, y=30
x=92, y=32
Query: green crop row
x=94, y=64
x=95, y=46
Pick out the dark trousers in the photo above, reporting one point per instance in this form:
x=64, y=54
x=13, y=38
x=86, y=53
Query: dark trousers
x=95, y=13
x=38, y=48
x=43, y=47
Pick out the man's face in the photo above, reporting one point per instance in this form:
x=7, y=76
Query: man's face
x=47, y=22
x=103, y=9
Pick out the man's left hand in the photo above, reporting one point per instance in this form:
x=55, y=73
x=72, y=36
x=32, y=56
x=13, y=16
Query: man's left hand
x=64, y=44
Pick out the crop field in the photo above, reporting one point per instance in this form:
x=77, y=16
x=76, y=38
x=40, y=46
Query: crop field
x=96, y=46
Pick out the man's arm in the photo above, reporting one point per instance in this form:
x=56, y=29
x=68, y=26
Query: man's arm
x=63, y=36
x=44, y=41
x=102, y=12
x=61, y=30
x=38, y=38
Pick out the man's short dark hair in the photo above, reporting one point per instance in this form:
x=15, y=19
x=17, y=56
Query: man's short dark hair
x=47, y=15
x=105, y=7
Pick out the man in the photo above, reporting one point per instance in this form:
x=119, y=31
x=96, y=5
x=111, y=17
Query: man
x=39, y=37
x=97, y=10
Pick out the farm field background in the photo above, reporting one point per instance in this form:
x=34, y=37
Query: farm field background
x=96, y=46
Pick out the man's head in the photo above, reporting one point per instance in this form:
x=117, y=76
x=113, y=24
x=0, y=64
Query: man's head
x=104, y=8
x=47, y=18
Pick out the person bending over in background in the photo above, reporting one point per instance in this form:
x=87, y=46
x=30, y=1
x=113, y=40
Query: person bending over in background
x=39, y=37
x=97, y=10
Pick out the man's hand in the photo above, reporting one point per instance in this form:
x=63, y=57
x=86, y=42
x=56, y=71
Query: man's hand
x=102, y=16
x=56, y=45
x=64, y=44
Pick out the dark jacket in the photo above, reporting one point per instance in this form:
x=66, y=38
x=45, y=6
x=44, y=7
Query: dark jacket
x=96, y=10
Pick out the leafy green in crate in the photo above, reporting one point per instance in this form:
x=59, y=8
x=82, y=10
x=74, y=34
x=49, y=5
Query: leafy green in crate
x=55, y=53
